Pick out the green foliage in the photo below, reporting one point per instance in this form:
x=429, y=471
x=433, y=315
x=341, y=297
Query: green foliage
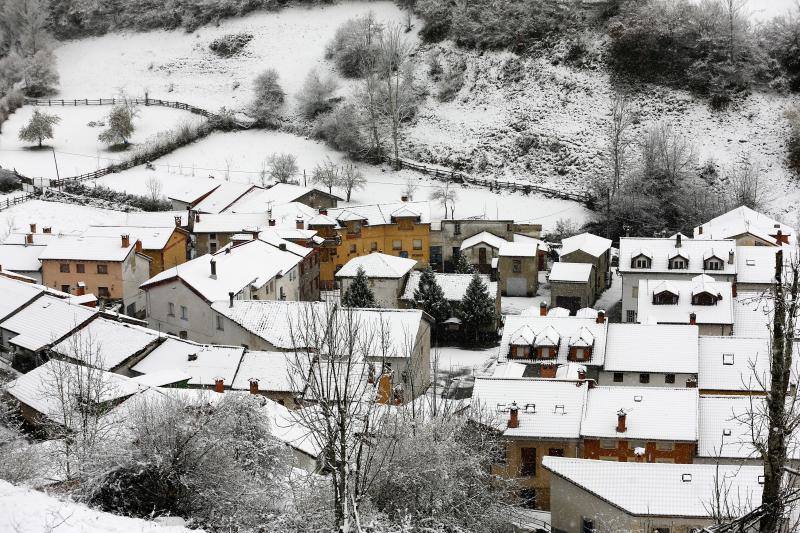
x=463, y=266
x=477, y=311
x=268, y=98
x=355, y=46
x=359, y=293
x=40, y=127
x=120, y=124
x=429, y=297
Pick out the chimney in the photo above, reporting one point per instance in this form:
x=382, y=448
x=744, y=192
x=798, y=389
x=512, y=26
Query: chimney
x=513, y=419
x=299, y=224
x=779, y=238
x=592, y=383
x=213, y=269
x=230, y=299
x=282, y=246
x=253, y=386
x=678, y=240
x=730, y=257
x=404, y=198
x=581, y=374
x=700, y=230
x=47, y=229
x=621, y=418
x=271, y=222
x=138, y=245
x=177, y=222
x=733, y=288
x=33, y=228
x=691, y=383
x=601, y=316
x=29, y=238
x=197, y=217
x=543, y=309
x=126, y=241
x=323, y=210
x=692, y=319
x=219, y=385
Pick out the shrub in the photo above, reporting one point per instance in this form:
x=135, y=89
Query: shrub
x=316, y=95
x=268, y=99
x=341, y=130
x=355, y=46
x=435, y=69
x=9, y=181
x=794, y=139
x=41, y=77
x=225, y=120
x=438, y=17
x=145, y=203
x=230, y=44
x=283, y=167
x=451, y=82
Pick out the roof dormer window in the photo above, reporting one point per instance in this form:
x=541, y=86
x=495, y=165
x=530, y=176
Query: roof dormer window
x=678, y=262
x=713, y=263
x=705, y=298
x=641, y=261
x=665, y=297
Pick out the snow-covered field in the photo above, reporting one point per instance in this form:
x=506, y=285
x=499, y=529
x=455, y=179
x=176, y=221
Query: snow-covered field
x=75, y=142
x=179, y=66
x=239, y=155
x=67, y=218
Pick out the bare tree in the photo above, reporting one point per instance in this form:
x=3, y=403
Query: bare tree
x=352, y=180
x=154, y=188
x=619, y=140
x=283, y=167
x=328, y=174
x=445, y=194
x=228, y=163
x=745, y=186
x=397, y=72
x=733, y=14
x=409, y=189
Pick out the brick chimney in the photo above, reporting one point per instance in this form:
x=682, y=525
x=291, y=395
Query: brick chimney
x=81, y=289
x=271, y=222
x=219, y=385
x=678, y=240
x=282, y=246
x=253, y=386
x=126, y=241
x=323, y=210
x=582, y=374
x=33, y=228
x=177, y=222
x=730, y=257
x=700, y=230
x=543, y=309
x=692, y=319
x=513, y=419
x=601, y=316
x=733, y=288
x=299, y=223
x=213, y=264
x=138, y=246
x=197, y=217
x=29, y=238
x=621, y=419
x=404, y=198
x=47, y=229
x=230, y=299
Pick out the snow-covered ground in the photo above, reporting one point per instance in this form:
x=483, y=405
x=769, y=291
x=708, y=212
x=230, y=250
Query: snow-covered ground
x=239, y=156
x=66, y=218
x=177, y=65
x=454, y=359
x=75, y=142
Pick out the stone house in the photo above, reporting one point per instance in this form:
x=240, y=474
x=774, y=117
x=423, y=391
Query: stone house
x=448, y=235
x=387, y=276
x=572, y=285
x=165, y=246
x=454, y=287
x=747, y=228
x=261, y=199
x=591, y=249
x=518, y=269
x=481, y=250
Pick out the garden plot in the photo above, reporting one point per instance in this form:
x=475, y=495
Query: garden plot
x=75, y=142
x=238, y=156
x=62, y=218
x=177, y=65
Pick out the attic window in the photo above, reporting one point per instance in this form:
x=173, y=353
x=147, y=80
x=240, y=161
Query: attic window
x=678, y=263
x=559, y=410
x=727, y=359
x=640, y=261
x=638, y=398
x=726, y=432
x=192, y=357
x=761, y=479
x=713, y=264
x=686, y=478
x=665, y=298
x=530, y=407
x=751, y=262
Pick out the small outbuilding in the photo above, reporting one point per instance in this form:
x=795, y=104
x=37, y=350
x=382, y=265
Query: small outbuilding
x=572, y=286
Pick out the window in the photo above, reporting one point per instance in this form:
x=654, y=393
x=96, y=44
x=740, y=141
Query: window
x=220, y=323
x=373, y=246
x=678, y=263
x=397, y=245
x=704, y=298
x=65, y=288
x=635, y=291
x=587, y=526
x=528, y=497
x=727, y=359
x=352, y=248
x=630, y=316
x=713, y=264
x=608, y=444
x=665, y=298
x=102, y=292
x=640, y=261
x=665, y=446
x=457, y=228
x=527, y=464
x=102, y=269
x=63, y=267
x=556, y=452
x=618, y=377
x=417, y=244
x=669, y=379
x=405, y=224
x=184, y=313
x=212, y=236
x=516, y=266
x=80, y=268
x=183, y=335
x=171, y=309
x=644, y=378
x=212, y=247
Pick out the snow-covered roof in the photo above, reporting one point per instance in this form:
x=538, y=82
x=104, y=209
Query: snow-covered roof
x=153, y=238
x=509, y=369
x=565, y=327
x=162, y=378
x=547, y=337
x=523, y=336
x=586, y=312
x=583, y=338
x=274, y=238
x=752, y=315
x=719, y=313
x=20, y=258
x=39, y=239
x=252, y=263
x=285, y=216
x=377, y=265
x=155, y=219
x=321, y=220
x=548, y=408
x=16, y=294
x=257, y=199
x=204, y=363
x=540, y=244
x=558, y=312
x=378, y=214
x=756, y=264
x=286, y=427
x=733, y=363
x=743, y=220
x=106, y=343
x=659, y=489
x=275, y=321
x=44, y=321
x=88, y=249
x=483, y=237
x=571, y=272
x=222, y=197
x=454, y=286
x=586, y=242
x=652, y=413
x=661, y=348
x=192, y=189
x=37, y=388
x=26, y=510
x=661, y=250
x=517, y=249
x=275, y=372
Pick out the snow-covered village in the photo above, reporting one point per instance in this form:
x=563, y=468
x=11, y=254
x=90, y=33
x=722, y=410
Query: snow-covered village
x=399, y=266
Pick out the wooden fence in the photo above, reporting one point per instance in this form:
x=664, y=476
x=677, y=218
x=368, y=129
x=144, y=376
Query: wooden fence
x=11, y=202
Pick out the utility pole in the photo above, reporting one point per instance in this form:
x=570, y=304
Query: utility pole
x=58, y=177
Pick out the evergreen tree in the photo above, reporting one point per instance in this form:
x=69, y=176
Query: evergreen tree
x=463, y=265
x=39, y=128
x=477, y=309
x=358, y=294
x=429, y=297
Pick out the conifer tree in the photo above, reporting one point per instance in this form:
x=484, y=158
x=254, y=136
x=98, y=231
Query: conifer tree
x=477, y=309
x=429, y=297
x=463, y=265
x=359, y=294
